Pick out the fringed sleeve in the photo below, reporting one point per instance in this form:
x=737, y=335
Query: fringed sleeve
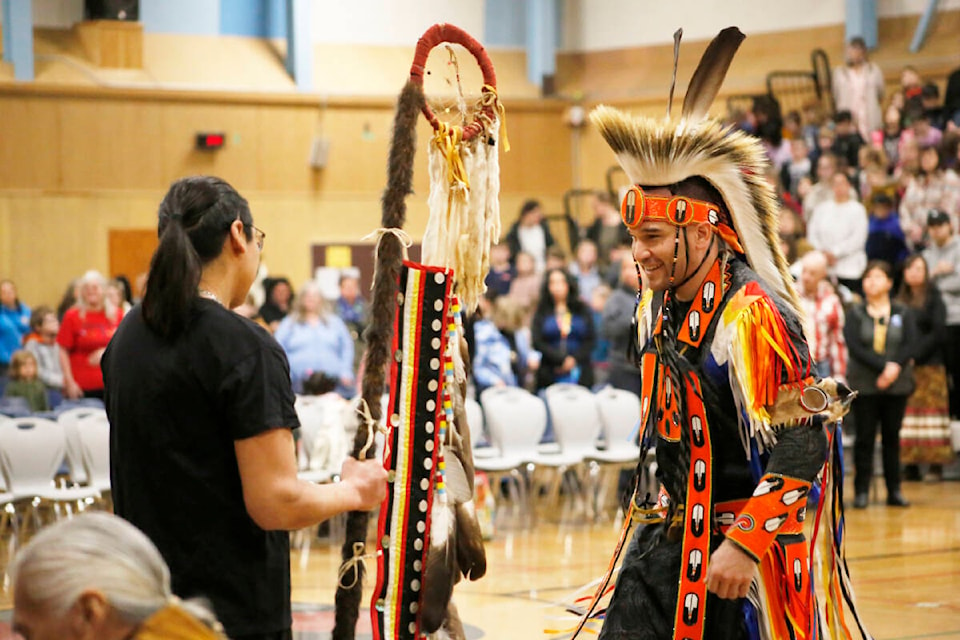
x=763, y=356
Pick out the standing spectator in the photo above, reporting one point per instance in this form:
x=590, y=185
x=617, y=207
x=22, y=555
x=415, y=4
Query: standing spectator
x=501, y=272
x=925, y=436
x=354, y=311
x=916, y=117
x=607, y=230
x=798, y=167
x=874, y=175
x=315, y=339
x=25, y=381
x=858, y=88
x=932, y=188
x=822, y=190
x=848, y=140
x=885, y=239
x=617, y=326
x=881, y=336
x=84, y=334
x=42, y=343
x=279, y=294
x=69, y=299
x=563, y=332
x=951, y=98
x=890, y=136
x=525, y=288
x=823, y=316
x=911, y=85
x=531, y=234
x=839, y=229
x=115, y=294
x=586, y=270
x=930, y=99
x=502, y=348
x=14, y=323
x=943, y=262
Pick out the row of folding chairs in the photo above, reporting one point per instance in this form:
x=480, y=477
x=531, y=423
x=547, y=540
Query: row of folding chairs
x=593, y=435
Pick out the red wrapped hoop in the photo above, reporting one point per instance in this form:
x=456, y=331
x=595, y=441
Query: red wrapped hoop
x=438, y=34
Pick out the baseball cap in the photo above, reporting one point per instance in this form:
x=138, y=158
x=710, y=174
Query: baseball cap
x=936, y=217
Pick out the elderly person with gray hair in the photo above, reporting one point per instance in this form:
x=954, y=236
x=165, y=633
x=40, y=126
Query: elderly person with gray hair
x=98, y=577
x=85, y=331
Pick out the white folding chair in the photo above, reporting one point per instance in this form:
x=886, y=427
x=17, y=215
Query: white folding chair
x=31, y=451
x=619, y=414
x=478, y=433
x=93, y=432
x=576, y=425
x=68, y=419
x=515, y=421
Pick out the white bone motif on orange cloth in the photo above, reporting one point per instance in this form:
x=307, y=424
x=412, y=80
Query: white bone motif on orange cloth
x=728, y=398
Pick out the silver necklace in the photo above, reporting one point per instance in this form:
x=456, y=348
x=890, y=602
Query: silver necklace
x=210, y=295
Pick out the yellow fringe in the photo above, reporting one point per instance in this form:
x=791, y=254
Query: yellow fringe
x=492, y=91
x=447, y=138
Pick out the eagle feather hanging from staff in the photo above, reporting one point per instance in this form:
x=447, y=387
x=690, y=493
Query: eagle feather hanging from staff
x=428, y=534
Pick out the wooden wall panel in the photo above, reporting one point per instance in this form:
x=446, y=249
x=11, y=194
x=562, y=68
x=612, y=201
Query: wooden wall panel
x=29, y=144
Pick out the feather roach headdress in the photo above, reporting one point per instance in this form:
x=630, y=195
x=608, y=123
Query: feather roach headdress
x=661, y=152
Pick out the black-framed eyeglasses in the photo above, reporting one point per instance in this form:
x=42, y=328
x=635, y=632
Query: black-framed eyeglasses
x=259, y=236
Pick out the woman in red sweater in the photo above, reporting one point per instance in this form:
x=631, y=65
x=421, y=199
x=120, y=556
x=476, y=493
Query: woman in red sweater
x=84, y=333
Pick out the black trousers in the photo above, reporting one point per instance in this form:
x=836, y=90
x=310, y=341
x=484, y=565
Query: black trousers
x=952, y=355
x=871, y=412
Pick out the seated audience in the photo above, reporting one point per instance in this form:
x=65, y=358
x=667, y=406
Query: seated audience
x=315, y=339
x=525, y=288
x=616, y=326
x=25, y=382
x=14, y=322
x=96, y=576
x=607, y=229
x=585, y=269
x=502, y=347
x=563, y=332
x=531, y=234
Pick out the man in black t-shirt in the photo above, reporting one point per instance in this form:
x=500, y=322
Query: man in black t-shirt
x=173, y=468
x=202, y=458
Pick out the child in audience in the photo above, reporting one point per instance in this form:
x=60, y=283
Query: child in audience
x=42, y=343
x=501, y=271
x=885, y=238
x=525, y=287
x=25, y=382
x=848, y=140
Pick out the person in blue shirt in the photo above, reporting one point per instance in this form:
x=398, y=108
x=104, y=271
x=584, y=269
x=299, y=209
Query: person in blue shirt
x=315, y=339
x=502, y=344
x=885, y=238
x=14, y=323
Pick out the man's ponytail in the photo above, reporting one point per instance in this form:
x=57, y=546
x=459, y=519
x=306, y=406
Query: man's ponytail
x=194, y=219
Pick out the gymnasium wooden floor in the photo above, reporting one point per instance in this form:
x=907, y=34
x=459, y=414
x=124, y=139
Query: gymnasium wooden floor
x=905, y=563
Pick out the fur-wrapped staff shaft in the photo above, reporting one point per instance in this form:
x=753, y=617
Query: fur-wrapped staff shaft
x=380, y=333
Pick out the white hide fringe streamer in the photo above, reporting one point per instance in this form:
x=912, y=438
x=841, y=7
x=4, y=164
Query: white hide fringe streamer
x=465, y=216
